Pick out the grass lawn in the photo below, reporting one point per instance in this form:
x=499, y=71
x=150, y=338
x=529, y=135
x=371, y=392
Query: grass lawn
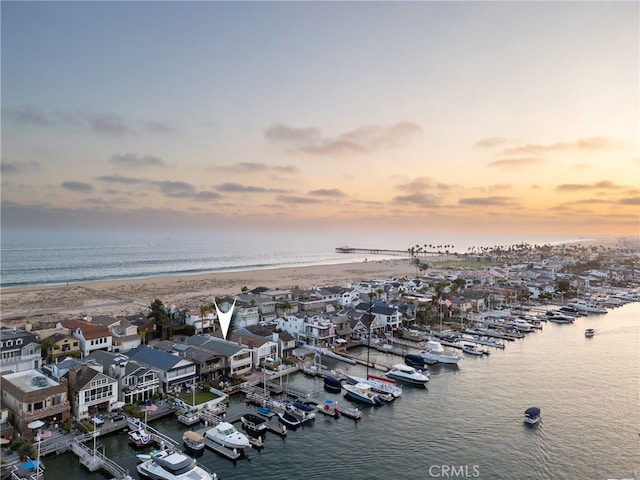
x=201, y=396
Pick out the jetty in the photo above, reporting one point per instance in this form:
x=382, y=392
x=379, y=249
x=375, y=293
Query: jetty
x=93, y=459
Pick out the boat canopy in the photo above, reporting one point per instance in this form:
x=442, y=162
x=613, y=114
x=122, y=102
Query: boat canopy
x=193, y=436
x=303, y=406
x=532, y=412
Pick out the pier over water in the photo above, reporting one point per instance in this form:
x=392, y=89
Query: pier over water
x=373, y=251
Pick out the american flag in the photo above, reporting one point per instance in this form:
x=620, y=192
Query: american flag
x=446, y=302
x=45, y=434
x=151, y=407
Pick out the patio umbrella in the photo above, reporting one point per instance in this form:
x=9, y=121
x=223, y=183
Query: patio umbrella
x=4, y=441
x=30, y=464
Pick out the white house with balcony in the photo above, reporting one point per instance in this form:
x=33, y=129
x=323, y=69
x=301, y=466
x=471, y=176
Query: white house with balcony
x=136, y=382
x=174, y=372
x=91, y=392
x=201, y=321
x=20, y=350
x=91, y=337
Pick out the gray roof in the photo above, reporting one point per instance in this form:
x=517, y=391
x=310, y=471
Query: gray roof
x=154, y=357
x=217, y=345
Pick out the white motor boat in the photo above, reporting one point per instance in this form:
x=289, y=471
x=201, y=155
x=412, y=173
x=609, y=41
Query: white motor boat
x=435, y=352
x=378, y=386
x=407, y=374
x=137, y=433
x=558, y=317
x=226, y=435
x=362, y=392
x=166, y=465
x=585, y=306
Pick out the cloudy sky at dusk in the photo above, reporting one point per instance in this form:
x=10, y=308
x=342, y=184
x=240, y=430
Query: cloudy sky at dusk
x=417, y=116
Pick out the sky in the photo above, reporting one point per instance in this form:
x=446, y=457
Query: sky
x=506, y=117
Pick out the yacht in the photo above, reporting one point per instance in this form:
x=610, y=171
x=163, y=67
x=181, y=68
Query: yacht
x=435, y=352
x=385, y=388
x=166, y=465
x=408, y=374
x=226, y=435
x=362, y=392
x=559, y=317
x=585, y=306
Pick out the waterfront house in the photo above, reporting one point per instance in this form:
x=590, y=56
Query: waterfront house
x=30, y=395
x=136, y=382
x=238, y=357
x=365, y=323
x=209, y=365
x=175, y=372
x=21, y=350
x=389, y=317
x=90, y=391
x=263, y=349
x=286, y=344
x=91, y=337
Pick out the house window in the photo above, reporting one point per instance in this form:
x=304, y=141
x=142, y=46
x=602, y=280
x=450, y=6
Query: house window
x=75, y=344
x=19, y=341
x=9, y=343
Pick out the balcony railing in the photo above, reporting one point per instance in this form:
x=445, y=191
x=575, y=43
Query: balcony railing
x=50, y=410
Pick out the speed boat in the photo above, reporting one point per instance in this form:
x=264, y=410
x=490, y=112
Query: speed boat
x=408, y=374
x=362, y=392
x=385, y=388
x=589, y=332
x=226, y=435
x=166, y=465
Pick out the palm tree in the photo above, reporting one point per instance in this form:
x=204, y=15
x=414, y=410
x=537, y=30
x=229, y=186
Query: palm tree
x=204, y=309
x=285, y=307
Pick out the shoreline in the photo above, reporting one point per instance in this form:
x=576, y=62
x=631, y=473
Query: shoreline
x=44, y=305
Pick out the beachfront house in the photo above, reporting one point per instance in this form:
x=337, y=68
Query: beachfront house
x=62, y=345
x=124, y=334
x=175, y=372
x=245, y=312
x=201, y=320
x=136, y=382
x=20, y=350
x=238, y=357
x=91, y=392
x=91, y=337
x=30, y=395
x=145, y=326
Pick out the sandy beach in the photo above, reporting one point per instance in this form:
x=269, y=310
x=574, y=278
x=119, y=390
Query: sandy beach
x=43, y=306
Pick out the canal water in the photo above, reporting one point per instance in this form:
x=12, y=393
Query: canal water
x=467, y=423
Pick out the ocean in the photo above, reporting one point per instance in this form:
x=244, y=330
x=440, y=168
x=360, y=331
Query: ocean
x=467, y=423
x=33, y=257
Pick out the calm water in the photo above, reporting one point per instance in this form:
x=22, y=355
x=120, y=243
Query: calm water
x=469, y=418
x=52, y=257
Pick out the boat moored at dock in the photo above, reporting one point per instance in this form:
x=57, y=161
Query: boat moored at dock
x=172, y=465
x=225, y=434
x=362, y=392
x=407, y=374
x=193, y=440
